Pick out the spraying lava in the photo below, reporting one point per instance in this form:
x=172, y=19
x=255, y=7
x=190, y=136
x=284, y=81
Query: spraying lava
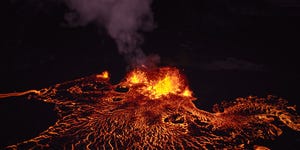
x=156, y=84
x=153, y=109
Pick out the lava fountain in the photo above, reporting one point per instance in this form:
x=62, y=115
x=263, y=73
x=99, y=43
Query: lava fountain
x=153, y=109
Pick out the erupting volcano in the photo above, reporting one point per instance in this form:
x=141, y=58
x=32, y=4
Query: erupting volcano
x=153, y=109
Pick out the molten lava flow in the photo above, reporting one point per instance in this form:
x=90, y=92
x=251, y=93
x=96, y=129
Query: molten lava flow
x=159, y=82
x=104, y=75
x=153, y=109
x=187, y=92
x=137, y=77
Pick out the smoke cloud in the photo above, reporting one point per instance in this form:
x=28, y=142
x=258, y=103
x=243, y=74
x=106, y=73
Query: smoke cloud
x=124, y=21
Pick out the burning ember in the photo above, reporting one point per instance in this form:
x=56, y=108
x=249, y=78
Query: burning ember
x=153, y=109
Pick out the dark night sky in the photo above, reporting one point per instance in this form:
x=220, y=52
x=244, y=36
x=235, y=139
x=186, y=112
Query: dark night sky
x=227, y=49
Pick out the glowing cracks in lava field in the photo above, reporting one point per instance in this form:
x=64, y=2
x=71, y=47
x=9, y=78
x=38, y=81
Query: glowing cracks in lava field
x=159, y=82
x=153, y=109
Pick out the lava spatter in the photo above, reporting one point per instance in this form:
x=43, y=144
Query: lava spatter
x=153, y=109
x=158, y=82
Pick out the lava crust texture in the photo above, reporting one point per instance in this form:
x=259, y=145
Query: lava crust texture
x=154, y=109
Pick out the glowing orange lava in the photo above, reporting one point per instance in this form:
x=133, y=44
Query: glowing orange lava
x=153, y=109
x=104, y=75
x=159, y=82
x=137, y=77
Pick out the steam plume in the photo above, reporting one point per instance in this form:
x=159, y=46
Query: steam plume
x=124, y=21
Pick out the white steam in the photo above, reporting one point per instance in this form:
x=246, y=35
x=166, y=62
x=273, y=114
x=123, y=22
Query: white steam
x=124, y=21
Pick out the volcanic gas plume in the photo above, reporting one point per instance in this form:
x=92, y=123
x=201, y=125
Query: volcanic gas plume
x=153, y=109
x=124, y=21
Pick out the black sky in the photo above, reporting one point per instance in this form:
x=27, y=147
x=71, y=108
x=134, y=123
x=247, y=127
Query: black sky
x=227, y=49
